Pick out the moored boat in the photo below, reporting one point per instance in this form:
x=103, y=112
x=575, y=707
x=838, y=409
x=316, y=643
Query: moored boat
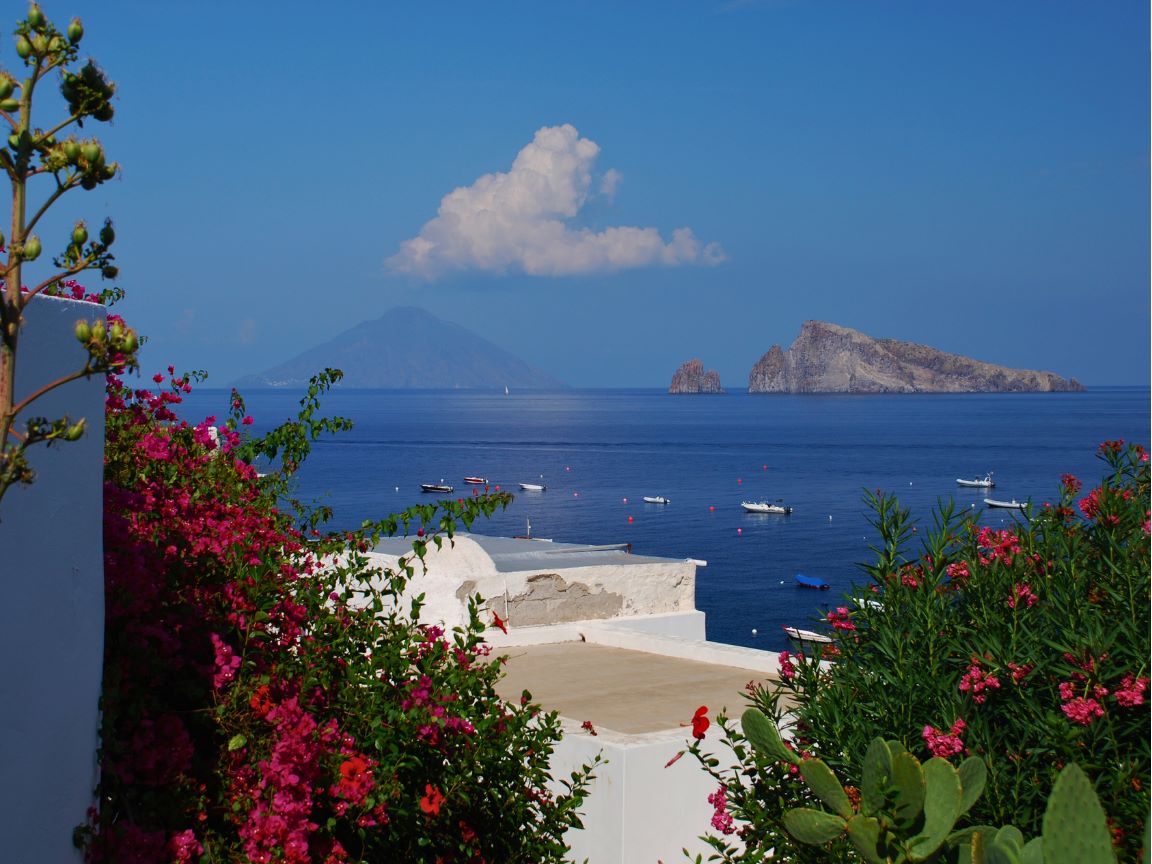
x=765, y=507
x=477, y=481
x=808, y=636
x=533, y=487
x=1009, y=505
x=435, y=487
x=811, y=582
x=986, y=483
x=656, y=499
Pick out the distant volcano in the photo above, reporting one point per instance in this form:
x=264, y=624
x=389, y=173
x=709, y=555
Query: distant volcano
x=407, y=348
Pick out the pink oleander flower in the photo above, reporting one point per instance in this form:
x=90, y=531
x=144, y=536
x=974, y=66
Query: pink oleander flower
x=976, y=681
x=998, y=545
x=1130, y=693
x=1019, y=671
x=840, y=619
x=1071, y=483
x=944, y=745
x=787, y=670
x=1022, y=593
x=1082, y=710
x=721, y=818
x=958, y=572
x=1090, y=504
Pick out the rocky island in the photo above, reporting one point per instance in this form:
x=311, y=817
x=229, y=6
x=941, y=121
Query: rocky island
x=691, y=378
x=827, y=358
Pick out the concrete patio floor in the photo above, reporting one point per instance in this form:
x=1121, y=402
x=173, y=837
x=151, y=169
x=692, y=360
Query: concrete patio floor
x=632, y=692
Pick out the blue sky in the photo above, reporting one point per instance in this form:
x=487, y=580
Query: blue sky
x=971, y=176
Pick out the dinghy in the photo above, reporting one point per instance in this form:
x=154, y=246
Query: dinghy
x=765, y=507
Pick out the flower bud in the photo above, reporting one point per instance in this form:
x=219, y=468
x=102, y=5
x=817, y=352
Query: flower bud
x=72, y=151
x=116, y=331
x=7, y=85
x=83, y=332
x=80, y=233
x=98, y=330
x=110, y=272
x=75, y=31
x=73, y=432
x=23, y=47
x=55, y=44
x=107, y=235
x=35, y=16
x=39, y=44
x=104, y=112
x=10, y=105
x=32, y=248
x=91, y=152
x=131, y=342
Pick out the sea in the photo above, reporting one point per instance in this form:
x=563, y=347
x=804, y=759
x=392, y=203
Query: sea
x=599, y=452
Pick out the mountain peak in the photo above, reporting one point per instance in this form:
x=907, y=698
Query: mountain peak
x=409, y=347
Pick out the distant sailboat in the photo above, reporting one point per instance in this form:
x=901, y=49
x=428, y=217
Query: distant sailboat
x=505, y=389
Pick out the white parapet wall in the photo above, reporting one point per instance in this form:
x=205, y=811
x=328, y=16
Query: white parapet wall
x=52, y=617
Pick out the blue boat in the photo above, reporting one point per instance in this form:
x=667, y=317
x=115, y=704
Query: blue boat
x=811, y=582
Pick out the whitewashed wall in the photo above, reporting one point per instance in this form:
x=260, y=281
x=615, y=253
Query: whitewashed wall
x=52, y=613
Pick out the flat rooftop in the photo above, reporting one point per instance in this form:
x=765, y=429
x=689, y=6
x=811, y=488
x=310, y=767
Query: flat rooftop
x=631, y=692
x=515, y=554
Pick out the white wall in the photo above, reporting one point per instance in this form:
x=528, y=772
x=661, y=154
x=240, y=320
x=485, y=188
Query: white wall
x=52, y=614
x=640, y=809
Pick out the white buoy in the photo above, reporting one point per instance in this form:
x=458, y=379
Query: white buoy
x=397, y=488
x=753, y=631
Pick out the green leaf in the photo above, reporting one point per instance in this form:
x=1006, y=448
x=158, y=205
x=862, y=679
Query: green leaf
x=823, y=782
x=1033, y=852
x=942, y=795
x=813, y=826
x=1009, y=835
x=877, y=771
x=973, y=775
x=1075, y=829
x=864, y=831
x=908, y=779
x=236, y=742
x=765, y=737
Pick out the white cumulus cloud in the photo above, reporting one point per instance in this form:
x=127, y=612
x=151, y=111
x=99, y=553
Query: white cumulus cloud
x=519, y=220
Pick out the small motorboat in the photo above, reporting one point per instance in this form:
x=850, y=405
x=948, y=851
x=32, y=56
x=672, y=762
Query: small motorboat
x=533, y=487
x=477, y=481
x=1008, y=505
x=811, y=582
x=986, y=483
x=435, y=487
x=656, y=499
x=808, y=636
x=765, y=507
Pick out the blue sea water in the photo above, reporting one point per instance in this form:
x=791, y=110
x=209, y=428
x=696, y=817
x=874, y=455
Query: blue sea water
x=601, y=451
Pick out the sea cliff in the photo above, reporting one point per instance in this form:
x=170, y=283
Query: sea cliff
x=828, y=358
x=691, y=378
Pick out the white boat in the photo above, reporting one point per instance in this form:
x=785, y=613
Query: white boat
x=808, y=636
x=533, y=487
x=765, y=507
x=1010, y=505
x=435, y=487
x=476, y=481
x=986, y=483
x=656, y=499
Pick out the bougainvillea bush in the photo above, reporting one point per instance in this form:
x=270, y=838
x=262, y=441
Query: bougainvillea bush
x=1027, y=646
x=263, y=703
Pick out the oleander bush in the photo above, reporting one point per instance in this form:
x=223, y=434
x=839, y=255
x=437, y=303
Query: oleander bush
x=1027, y=647
x=268, y=697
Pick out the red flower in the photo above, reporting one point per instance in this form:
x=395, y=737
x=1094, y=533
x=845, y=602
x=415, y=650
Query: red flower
x=431, y=800
x=497, y=621
x=588, y=727
x=700, y=722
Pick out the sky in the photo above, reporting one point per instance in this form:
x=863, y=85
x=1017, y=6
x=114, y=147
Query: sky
x=609, y=189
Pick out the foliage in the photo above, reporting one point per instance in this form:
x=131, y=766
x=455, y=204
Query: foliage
x=72, y=163
x=907, y=812
x=268, y=696
x=1027, y=647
